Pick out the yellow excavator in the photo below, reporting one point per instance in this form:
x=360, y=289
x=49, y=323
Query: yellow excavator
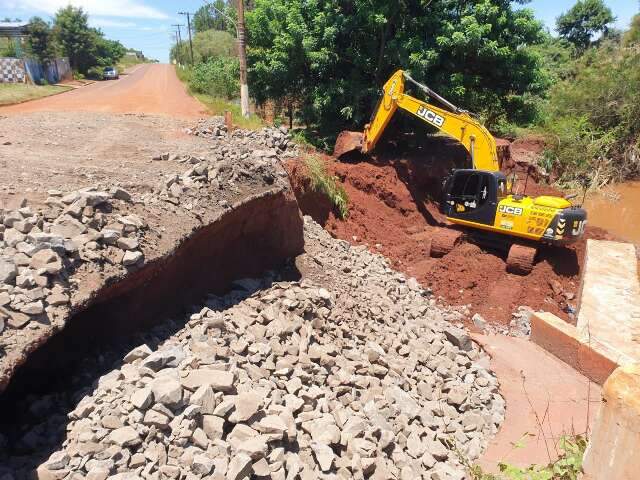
x=477, y=199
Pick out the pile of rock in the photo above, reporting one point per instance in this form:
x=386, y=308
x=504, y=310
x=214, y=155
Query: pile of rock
x=270, y=137
x=40, y=249
x=235, y=163
x=208, y=128
x=361, y=377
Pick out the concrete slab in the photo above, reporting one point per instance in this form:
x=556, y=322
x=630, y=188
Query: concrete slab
x=545, y=399
x=609, y=308
x=607, y=334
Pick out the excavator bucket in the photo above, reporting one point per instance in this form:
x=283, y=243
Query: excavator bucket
x=348, y=142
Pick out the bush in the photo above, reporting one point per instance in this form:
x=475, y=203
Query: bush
x=218, y=77
x=591, y=120
x=323, y=182
x=95, y=73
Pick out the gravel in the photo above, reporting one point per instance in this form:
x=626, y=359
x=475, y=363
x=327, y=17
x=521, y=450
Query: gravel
x=351, y=372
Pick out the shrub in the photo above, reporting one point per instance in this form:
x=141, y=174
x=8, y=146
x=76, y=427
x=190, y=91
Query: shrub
x=591, y=119
x=95, y=73
x=218, y=77
x=323, y=182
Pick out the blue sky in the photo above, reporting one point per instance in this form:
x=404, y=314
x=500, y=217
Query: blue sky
x=146, y=25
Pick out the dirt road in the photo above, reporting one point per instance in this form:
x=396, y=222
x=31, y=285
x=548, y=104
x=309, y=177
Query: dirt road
x=150, y=89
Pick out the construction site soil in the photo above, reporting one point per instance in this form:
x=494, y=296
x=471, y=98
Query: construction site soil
x=393, y=210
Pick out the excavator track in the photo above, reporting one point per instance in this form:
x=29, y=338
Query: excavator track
x=521, y=259
x=443, y=241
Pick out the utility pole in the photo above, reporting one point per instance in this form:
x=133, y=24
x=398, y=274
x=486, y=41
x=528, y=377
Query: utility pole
x=242, y=54
x=177, y=46
x=188, y=28
x=177, y=25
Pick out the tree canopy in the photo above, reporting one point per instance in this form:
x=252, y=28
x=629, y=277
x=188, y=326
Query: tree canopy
x=583, y=21
x=334, y=55
x=71, y=36
x=39, y=41
x=207, y=18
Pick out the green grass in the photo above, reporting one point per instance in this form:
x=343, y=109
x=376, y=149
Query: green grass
x=218, y=105
x=11, y=93
x=567, y=467
x=323, y=182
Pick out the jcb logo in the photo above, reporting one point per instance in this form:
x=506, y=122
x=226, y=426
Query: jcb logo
x=509, y=210
x=578, y=227
x=431, y=117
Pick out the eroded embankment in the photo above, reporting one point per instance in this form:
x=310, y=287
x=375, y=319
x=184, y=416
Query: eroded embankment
x=257, y=234
x=393, y=209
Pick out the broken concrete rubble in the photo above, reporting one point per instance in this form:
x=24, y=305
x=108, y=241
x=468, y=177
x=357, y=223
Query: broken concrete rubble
x=326, y=385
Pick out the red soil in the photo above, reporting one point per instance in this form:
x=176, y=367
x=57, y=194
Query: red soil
x=391, y=209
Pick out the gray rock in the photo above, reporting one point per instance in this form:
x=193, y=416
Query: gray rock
x=131, y=258
x=140, y=352
x=166, y=357
x=125, y=437
x=459, y=338
x=167, y=391
x=68, y=228
x=142, y=398
x=57, y=461
x=240, y=467
x=218, y=380
x=8, y=270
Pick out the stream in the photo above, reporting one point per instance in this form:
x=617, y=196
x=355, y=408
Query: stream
x=616, y=208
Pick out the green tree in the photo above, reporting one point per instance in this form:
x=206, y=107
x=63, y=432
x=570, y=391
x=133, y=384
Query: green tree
x=107, y=52
x=207, y=18
x=40, y=40
x=77, y=41
x=583, y=21
x=334, y=55
x=632, y=36
x=213, y=44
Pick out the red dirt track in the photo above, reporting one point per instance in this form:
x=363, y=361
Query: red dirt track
x=149, y=89
x=391, y=209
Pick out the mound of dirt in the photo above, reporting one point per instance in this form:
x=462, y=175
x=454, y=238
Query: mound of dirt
x=393, y=210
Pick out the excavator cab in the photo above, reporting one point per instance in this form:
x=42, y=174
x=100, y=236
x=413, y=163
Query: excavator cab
x=473, y=195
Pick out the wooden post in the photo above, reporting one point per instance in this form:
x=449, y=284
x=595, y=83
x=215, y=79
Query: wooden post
x=228, y=120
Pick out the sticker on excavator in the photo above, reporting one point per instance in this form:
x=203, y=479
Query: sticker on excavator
x=509, y=210
x=430, y=116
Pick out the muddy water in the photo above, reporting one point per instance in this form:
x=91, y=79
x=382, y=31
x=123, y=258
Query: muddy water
x=617, y=209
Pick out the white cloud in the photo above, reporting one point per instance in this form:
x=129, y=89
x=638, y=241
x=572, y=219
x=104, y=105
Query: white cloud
x=107, y=8
x=106, y=23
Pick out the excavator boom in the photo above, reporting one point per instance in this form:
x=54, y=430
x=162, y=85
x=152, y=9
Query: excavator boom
x=456, y=123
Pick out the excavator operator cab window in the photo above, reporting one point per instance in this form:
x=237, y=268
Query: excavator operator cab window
x=470, y=191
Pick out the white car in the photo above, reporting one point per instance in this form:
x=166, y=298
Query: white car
x=110, y=73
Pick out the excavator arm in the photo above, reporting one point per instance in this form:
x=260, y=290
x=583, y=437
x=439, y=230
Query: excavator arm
x=456, y=123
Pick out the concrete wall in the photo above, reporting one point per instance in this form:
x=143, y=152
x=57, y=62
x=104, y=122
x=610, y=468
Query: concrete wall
x=613, y=448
